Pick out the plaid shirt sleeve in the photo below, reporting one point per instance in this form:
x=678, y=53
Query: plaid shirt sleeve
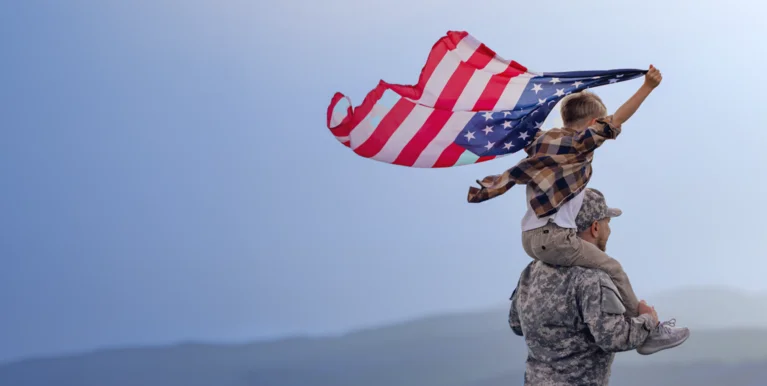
x=594, y=136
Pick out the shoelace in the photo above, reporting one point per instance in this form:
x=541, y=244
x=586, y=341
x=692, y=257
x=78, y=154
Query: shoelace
x=664, y=327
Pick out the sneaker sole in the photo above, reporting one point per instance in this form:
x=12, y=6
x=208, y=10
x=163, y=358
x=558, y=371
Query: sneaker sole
x=641, y=352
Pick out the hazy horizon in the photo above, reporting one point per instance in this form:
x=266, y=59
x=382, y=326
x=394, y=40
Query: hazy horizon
x=751, y=322
x=167, y=173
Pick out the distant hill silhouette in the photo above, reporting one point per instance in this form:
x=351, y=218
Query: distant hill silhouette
x=470, y=349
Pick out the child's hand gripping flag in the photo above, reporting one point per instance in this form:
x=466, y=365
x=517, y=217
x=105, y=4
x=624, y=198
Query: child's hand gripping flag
x=469, y=106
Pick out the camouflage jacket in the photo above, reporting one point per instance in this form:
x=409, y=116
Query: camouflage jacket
x=573, y=323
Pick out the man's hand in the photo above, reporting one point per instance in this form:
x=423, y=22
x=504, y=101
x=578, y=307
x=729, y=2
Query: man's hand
x=644, y=308
x=653, y=77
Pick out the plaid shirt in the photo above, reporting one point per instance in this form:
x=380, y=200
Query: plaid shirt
x=558, y=167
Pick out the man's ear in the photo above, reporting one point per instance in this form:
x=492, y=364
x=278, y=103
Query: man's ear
x=594, y=228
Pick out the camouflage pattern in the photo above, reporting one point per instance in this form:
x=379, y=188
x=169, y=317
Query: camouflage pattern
x=573, y=323
x=594, y=208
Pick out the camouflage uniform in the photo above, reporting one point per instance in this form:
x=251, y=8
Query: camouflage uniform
x=573, y=323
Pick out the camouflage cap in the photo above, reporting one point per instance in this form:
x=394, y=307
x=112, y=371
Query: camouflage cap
x=594, y=208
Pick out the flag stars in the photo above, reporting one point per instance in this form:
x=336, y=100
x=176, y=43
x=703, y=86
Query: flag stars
x=537, y=87
x=507, y=145
x=489, y=145
x=577, y=83
x=523, y=135
x=538, y=125
x=507, y=125
x=555, y=80
x=488, y=115
x=613, y=80
x=541, y=101
x=560, y=92
x=469, y=136
x=488, y=130
x=506, y=113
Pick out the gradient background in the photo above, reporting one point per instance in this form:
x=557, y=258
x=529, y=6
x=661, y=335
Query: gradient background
x=166, y=173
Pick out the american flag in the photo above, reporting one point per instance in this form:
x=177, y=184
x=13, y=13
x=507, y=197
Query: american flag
x=469, y=106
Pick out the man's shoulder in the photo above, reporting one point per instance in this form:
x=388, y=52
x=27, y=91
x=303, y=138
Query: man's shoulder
x=583, y=276
x=587, y=276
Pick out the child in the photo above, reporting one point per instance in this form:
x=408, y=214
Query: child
x=556, y=172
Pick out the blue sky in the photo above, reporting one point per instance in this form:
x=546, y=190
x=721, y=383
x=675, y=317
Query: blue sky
x=167, y=175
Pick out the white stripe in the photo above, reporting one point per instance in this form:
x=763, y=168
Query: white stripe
x=337, y=118
x=342, y=139
x=477, y=84
x=361, y=133
x=513, y=91
x=497, y=65
x=404, y=133
x=473, y=90
x=466, y=101
x=368, y=125
x=445, y=69
x=446, y=136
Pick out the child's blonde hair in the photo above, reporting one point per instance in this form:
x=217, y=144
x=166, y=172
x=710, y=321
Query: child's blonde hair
x=579, y=108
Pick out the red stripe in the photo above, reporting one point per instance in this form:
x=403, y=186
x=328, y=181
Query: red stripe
x=460, y=78
x=484, y=158
x=444, y=105
x=423, y=137
x=437, y=53
x=356, y=115
x=388, y=125
x=449, y=156
x=495, y=88
x=485, y=51
x=437, y=120
x=333, y=102
x=487, y=101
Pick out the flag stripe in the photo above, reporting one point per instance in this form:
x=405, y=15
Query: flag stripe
x=511, y=93
x=433, y=126
x=453, y=90
x=460, y=78
x=495, y=88
x=443, y=139
x=488, y=100
x=419, y=117
x=436, y=56
x=500, y=87
x=449, y=156
x=445, y=70
x=440, y=61
x=360, y=122
x=386, y=128
x=475, y=90
x=369, y=124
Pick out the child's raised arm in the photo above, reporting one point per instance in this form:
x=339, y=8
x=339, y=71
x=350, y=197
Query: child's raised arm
x=651, y=81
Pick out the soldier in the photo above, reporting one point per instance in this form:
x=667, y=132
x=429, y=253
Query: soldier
x=572, y=318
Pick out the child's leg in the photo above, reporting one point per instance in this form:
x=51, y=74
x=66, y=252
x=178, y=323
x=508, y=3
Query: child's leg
x=559, y=246
x=549, y=245
x=591, y=256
